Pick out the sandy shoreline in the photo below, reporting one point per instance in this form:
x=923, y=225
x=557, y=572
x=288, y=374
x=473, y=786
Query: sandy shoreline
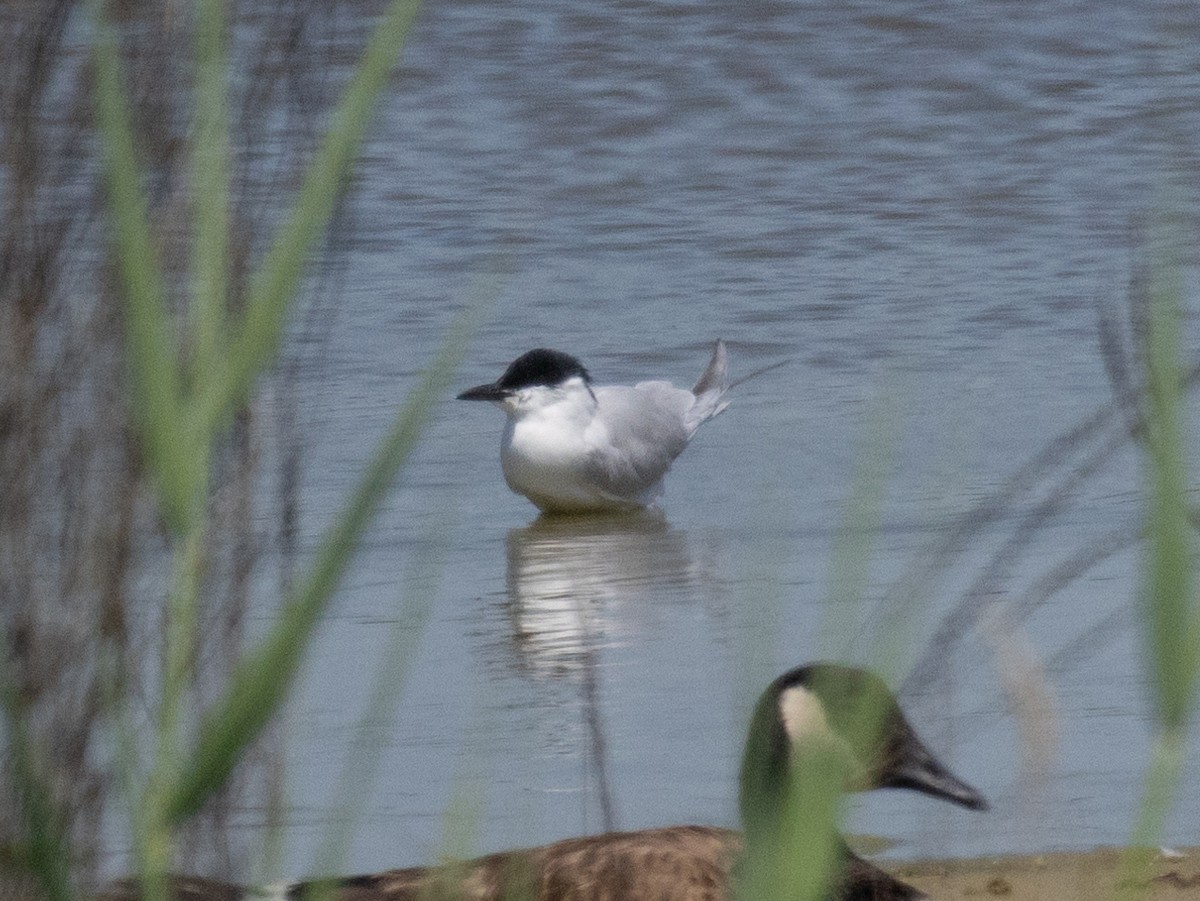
x=1087, y=876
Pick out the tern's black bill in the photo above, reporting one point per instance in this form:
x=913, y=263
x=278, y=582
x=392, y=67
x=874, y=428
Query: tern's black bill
x=490, y=391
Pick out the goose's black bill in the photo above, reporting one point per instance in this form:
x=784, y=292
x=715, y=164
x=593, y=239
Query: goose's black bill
x=919, y=770
x=491, y=391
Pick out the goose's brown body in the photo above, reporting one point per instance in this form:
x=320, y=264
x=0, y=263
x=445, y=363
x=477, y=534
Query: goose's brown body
x=814, y=707
x=676, y=863
x=681, y=863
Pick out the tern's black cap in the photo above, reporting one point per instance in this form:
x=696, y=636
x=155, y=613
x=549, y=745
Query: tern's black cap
x=541, y=366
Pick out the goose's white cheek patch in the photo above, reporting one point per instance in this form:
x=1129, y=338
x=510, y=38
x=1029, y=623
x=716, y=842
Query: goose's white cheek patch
x=803, y=715
x=806, y=724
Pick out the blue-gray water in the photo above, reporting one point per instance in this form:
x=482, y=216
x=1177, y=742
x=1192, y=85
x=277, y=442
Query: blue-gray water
x=922, y=206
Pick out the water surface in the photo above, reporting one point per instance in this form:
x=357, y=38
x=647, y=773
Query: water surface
x=923, y=207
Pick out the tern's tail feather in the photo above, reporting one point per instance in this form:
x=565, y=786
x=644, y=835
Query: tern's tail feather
x=710, y=389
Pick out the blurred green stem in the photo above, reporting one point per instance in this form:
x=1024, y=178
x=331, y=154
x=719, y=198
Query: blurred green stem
x=154, y=374
x=264, y=674
x=181, y=645
x=1162, y=783
x=184, y=394
x=1168, y=596
x=255, y=337
x=49, y=853
x=210, y=188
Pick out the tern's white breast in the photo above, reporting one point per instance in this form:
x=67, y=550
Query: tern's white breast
x=547, y=453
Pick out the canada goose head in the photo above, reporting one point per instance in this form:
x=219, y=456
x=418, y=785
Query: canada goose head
x=849, y=718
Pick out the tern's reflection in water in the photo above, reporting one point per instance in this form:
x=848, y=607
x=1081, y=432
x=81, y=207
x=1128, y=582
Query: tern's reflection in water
x=571, y=581
x=575, y=584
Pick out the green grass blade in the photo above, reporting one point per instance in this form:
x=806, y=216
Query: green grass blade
x=1158, y=794
x=210, y=185
x=1168, y=598
x=155, y=376
x=46, y=851
x=157, y=840
x=262, y=678
x=257, y=335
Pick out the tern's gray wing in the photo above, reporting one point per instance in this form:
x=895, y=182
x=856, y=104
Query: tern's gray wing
x=636, y=434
